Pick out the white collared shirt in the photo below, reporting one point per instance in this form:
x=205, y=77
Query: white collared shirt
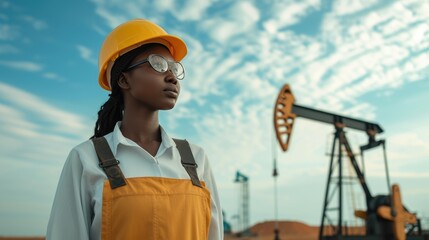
x=76, y=211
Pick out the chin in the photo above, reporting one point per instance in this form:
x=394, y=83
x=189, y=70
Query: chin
x=167, y=106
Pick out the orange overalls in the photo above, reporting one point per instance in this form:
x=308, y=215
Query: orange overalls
x=153, y=207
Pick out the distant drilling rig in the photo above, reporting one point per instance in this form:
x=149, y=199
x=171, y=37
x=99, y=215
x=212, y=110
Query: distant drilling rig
x=243, y=206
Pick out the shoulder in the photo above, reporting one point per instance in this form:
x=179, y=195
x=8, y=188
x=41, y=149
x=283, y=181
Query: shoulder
x=83, y=159
x=83, y=155
x=87, y=147
x=84, y=148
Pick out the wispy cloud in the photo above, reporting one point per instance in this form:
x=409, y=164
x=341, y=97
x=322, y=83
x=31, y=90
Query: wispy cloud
x=37, y=24
x=287, y=14
x=23, y=65
x=350, y=7
x=86, y=54
x=5, y=4
x=60, y=120
x=53, y=76
x=192, y=10
x=35, y=137
x=7, y=48
x=241, y=17
x=99, y=30
x=108, y=11
x=8, y=32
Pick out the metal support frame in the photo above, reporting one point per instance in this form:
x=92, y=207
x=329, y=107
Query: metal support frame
x=339, y=137
x=328, y=194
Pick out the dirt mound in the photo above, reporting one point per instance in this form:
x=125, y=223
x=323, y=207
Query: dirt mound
x=285, y=228
x=22, y=238
x=289, y=230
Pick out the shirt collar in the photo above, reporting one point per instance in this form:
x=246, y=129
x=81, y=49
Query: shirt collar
x=118, y=138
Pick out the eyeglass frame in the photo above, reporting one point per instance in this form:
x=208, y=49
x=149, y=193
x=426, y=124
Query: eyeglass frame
x=133, y=66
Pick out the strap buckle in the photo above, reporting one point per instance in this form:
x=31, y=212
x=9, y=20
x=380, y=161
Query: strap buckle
x=109, y=163
x=192, y=165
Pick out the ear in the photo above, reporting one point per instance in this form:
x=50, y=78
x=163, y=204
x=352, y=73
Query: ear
x=123, y=81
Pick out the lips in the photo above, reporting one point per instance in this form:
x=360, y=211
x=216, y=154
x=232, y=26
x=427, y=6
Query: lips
x=171, y=92
x=171, y=89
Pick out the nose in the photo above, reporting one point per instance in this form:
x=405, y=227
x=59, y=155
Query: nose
x=170, y=77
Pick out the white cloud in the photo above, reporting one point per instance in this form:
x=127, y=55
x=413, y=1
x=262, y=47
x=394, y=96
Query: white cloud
x=416, y=139
x=116, y=12
x=4, y=4
x=191, y=10
x=99, y=30
x=23, y=65
x=8, y=32
x=241, y=18
x=343, y=7
x=36, y=23
x=14, y=117
x=60, y=120
x=286, y=14
x=86, y=54
x=366, y=57
x=165, y=5
x=221, y=30
x=53, y=76
x=35, y=137
x=113, y=20
x=6, y=48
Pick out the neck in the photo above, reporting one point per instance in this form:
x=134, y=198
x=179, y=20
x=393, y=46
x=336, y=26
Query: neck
x=141, y=125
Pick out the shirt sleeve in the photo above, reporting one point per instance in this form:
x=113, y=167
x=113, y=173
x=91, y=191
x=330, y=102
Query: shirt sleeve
x=71, y=211
x=216, y=223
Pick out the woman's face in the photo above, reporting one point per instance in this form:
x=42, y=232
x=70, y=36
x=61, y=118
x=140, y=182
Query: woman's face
x=149, y=88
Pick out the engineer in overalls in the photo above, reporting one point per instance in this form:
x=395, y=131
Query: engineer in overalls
x=131, y=180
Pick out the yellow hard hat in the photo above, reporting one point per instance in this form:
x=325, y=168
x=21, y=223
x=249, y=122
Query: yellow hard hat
x=130, y=35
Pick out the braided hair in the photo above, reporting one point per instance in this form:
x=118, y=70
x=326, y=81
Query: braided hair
x=111, y=111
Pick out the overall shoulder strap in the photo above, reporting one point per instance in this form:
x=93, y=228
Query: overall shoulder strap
x=108, y=162
x=188, y=160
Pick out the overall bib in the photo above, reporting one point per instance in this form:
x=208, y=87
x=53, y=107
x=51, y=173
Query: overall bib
x=153, y=208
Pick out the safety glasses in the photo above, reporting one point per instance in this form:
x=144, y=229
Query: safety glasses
x=161, y=65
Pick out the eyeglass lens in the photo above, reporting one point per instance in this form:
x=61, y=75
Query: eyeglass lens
x=160, y=64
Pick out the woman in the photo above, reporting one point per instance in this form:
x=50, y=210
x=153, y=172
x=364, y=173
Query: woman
x=131, y=180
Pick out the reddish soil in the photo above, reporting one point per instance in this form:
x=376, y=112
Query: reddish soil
x=22, y=238
x=289, y=230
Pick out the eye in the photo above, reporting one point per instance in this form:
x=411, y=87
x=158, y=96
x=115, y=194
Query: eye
x=158, y=63
x=175, y=68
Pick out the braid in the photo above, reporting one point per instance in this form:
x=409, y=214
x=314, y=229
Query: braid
x=110, y=113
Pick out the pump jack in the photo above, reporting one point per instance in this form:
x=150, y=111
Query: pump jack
x=385, y=217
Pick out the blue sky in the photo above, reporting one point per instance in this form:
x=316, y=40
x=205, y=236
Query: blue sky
x=366, y=59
